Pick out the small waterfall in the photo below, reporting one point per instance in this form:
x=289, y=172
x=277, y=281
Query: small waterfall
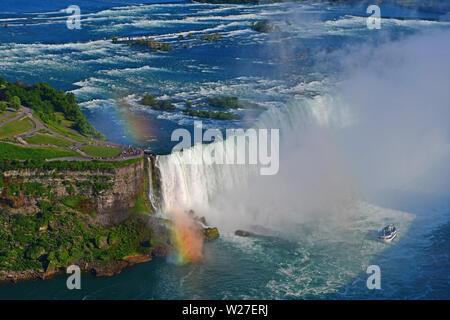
x=154, y=179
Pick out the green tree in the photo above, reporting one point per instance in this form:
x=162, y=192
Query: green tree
x=149, y=100
x=15, y=102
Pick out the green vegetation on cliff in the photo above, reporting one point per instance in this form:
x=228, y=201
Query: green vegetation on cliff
x=56, y=237
x=60, y=213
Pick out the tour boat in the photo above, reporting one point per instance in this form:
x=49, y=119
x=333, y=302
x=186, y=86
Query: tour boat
x=388, y=233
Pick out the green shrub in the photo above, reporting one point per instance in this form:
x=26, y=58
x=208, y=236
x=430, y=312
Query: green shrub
x=34, y=252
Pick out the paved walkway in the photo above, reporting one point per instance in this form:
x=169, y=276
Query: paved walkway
x=7, y=113
x=20, y=114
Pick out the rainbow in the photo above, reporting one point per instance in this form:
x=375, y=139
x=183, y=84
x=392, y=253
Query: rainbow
x=186, y=237
x=138, y=127
x=186, y=234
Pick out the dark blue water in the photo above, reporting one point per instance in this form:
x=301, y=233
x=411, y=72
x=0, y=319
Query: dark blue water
x=309, y=260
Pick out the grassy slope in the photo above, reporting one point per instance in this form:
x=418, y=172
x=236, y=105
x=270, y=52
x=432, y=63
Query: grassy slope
x=16, y=127
x=12, y=115
x=64, y=131
x=101, y=151
x=13, y=152
x=64, y=121
x=42, y=139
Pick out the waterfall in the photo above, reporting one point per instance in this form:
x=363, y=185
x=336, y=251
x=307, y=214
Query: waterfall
x=185, y=186
x=151, y=185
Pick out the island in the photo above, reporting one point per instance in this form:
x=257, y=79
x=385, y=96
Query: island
x=209, y=114
x=219, y=102
x=155, y=104
x=146, y=43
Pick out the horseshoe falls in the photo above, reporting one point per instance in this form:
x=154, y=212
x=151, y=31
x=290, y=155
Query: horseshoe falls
x=364, y=141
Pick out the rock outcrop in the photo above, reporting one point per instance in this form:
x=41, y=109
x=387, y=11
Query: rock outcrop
x=100, y=191
x=209, y=233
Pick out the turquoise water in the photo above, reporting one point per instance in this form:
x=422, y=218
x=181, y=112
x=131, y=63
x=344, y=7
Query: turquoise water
x=273, y=268
x=319, y=257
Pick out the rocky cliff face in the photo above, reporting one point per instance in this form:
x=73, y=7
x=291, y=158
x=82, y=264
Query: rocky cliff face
x=128, y=184
x=99, y=192
x=154, y=184
x=98, y=219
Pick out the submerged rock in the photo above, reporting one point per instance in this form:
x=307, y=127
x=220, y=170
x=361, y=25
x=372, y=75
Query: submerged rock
x=209, y=233
x=243, y=233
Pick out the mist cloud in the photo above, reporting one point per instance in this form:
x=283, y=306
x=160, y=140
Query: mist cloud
x=397, y=98
x=400, y=101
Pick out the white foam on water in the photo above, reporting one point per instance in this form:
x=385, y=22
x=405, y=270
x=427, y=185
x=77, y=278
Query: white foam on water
x=97, y=104
x=123, y=71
